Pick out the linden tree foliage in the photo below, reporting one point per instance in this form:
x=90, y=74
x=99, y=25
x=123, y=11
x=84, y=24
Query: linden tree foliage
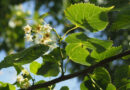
x=64, y=88
x=77, y=47
x=111, y=87
x=85, y=50
x=123, y=77
x=98, y=80
x=50, y=65
x=6, y=86
x=26, y=56
x=90, y=16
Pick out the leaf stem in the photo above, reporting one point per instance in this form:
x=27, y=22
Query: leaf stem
x=61, y=54
x=57, y=34
x=60, y=42
x=69, y=31
x=94, y=82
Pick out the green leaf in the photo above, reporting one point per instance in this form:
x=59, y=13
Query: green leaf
x=26, y=56
x=87, y=85
x=18, y=68
x=50, y=66
x=122, y=20
x=121, y=76
x=110, y=86
x=77, y=53
x=78, y=45
x=98, y=80
x=128, y=85
x=86, y=15
x=6, y=86
x=101, y=77
x=54, y=56
x=64, y=88
x=92, y=43
x=43, y=15
x=75, y=49
x=126, y=57
x=76, y=38
x=108, y=53
x=48, y=69
x=98, y=45
x=34, y=66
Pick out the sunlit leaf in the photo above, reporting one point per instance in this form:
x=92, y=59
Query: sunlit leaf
x=111, y=87
x=77, y=53
x=98, y=45
x=108, y=53
x=86, y=15
x=86, y=51
x=6, y=86
x=75, y=49
x=34, y=66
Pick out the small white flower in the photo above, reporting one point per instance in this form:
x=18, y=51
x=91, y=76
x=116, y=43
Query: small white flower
x=39, y=28
x=27, y=29
x=25, y=72
x=42, y=41
x=26, y=80
x=37, y=38
x=47, y=41
x=47, y=28
x=25, y=85
x=28, y=37
x=20, y=79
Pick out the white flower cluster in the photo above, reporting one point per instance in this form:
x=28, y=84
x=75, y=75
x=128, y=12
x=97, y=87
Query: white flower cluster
x=23, y=81
x=40, y=34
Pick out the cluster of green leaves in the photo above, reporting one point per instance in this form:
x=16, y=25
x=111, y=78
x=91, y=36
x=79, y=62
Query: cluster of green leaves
x=80, y=49
x=101, y=79
x=50, y=65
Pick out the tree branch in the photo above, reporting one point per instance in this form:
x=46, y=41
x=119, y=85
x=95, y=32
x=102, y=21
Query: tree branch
x=82, y=72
